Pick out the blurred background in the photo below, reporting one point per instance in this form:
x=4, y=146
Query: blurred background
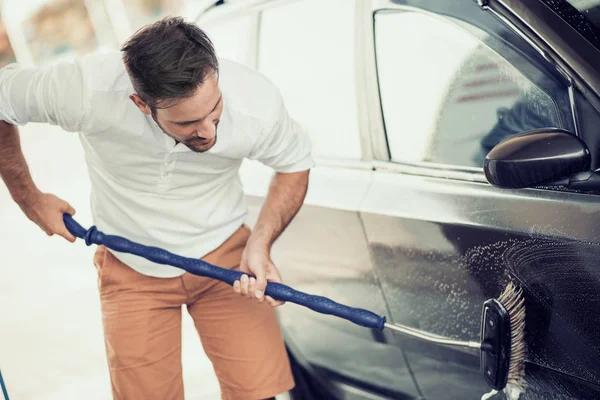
x=41, y=31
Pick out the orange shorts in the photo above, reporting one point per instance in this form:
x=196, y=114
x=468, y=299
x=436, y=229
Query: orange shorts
x=141, y=316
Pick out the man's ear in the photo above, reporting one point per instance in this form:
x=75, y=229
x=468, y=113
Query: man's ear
x=137, y=100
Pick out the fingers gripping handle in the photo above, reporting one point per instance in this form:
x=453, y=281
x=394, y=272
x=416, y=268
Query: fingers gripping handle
x=198, y=267
x=73, y=227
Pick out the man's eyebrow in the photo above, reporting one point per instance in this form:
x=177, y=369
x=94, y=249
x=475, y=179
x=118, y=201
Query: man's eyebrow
x=198, y=120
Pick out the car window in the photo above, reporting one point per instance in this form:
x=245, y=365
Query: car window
x=307, y=49
x=447, y=97
x=235, y=38
x=583, y=15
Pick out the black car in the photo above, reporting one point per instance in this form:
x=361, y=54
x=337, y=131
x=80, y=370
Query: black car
x=404, y=101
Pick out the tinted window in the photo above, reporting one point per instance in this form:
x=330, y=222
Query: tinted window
x=307, y=50
x=583, y=15
x=447, y=96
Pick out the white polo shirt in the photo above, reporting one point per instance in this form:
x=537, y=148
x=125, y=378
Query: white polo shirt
x=144, y=187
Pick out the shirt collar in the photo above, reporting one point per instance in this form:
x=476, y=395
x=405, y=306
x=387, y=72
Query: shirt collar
x=163, y=139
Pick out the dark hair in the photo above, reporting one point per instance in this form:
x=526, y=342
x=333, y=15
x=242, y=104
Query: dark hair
x=168, y=60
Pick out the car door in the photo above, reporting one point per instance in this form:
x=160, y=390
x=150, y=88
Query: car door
x=454, y=80
x=324, y=251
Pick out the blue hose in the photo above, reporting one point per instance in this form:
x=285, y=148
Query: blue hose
x=4, y=391
x=195, y=266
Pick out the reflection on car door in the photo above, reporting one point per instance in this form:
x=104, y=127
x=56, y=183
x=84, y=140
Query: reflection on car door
x=324, y=251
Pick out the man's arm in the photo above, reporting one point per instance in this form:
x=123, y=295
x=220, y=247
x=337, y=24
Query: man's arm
x=13, y=167
x=53, y=95
x=44, y=209
x=285, y=197
x=285, y=147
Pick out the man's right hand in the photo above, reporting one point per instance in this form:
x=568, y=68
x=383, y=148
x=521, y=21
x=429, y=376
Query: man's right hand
x=47, y=210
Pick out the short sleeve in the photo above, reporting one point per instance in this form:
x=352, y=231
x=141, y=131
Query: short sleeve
x=53, y=94
x=283, y=145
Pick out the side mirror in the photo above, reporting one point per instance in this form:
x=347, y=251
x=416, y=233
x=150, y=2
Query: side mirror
x=536, y=158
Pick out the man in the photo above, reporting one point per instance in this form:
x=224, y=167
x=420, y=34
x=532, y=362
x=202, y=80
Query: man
x=163, y=175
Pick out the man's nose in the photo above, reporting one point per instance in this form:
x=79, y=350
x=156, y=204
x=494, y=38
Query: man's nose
x=206, y=130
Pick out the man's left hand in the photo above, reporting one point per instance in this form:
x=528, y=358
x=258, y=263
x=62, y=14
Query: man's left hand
x=257, y=261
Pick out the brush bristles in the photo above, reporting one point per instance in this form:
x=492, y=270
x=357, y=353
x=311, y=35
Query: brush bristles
x=513, y=301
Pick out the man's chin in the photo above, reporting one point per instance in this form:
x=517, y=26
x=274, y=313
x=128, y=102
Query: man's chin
x=201, y=148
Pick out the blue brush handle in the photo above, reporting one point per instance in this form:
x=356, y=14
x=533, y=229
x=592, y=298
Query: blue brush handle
x=194, y=266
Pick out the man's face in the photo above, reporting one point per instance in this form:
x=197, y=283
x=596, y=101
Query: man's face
x=193, y=121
